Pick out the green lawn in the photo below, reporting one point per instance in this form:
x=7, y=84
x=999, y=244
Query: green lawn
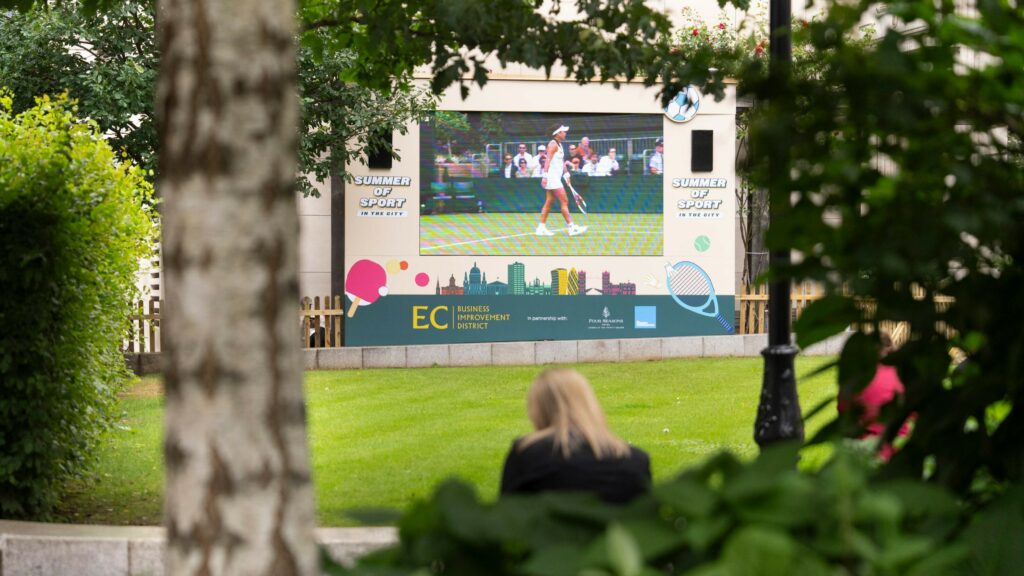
x=385, y=437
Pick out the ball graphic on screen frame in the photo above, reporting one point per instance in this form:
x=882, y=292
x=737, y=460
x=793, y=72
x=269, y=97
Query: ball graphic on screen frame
x=684, y=106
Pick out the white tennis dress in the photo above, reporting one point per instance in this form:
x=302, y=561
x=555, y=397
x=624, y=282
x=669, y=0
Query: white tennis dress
x=555, y=169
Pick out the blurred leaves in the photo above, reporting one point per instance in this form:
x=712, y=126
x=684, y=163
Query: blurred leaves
x=609, y=42
x=904, y=197
x=997, y=534
x=723, y=517
x=823, y=318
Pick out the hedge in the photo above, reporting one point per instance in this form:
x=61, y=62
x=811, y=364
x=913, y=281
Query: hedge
x=75, y=220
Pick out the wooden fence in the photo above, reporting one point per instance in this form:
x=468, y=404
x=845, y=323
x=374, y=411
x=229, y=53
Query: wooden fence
x=144, y=332
x=754, y=305
x=322, y=326
x=753, y=309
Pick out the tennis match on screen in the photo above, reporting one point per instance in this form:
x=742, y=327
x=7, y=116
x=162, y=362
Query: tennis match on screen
x=541, y=184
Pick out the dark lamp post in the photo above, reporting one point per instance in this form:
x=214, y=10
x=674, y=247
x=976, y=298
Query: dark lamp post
x=778, y=413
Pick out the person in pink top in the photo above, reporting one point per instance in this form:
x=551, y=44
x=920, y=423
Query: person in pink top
x=884, y=388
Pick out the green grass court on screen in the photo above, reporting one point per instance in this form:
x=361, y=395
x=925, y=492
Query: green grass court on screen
x=513, y=234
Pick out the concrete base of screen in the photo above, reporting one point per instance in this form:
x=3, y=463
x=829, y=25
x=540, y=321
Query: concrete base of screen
x=526, y=353
x=34, y=548
x=550, y=352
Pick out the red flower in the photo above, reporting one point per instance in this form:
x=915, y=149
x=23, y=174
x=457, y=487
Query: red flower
x=803, y=23
x=695, y=32
x=759, y=50
x=721, y=26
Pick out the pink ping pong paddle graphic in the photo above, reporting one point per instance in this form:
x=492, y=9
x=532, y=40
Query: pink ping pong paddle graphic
x=366, y=281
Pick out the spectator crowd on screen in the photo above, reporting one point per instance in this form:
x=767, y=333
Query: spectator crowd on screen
x=580, y=159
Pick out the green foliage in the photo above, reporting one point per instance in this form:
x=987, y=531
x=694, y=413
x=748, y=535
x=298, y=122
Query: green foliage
x=911, y=145
x=106, y=62
x=74, y=222
x=342, y=121
x=903, y=153
x=606, y=41
x=722, y=517
x=741, y=51
x=730, y=47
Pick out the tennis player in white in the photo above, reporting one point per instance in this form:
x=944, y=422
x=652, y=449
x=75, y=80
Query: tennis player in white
x=551, y=180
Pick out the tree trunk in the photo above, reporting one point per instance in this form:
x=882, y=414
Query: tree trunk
x=239, y=498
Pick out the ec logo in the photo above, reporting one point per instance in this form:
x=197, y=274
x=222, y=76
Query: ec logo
x=424, y=320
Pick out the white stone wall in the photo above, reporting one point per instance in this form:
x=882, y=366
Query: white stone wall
x=315, y=242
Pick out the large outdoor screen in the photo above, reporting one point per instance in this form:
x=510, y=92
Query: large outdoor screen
x=481, y=187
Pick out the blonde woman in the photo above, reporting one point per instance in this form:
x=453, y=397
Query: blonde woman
x=571, y=448
x=551, y=180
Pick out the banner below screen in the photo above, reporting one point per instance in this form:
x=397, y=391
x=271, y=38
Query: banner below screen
x=446, y=320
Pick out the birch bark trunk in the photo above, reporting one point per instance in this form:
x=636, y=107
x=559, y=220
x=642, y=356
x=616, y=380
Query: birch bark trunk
x=239, y=498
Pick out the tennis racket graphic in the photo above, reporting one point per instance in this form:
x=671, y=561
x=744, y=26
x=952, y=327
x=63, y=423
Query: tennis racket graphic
x=692, y=289
x=580, y=202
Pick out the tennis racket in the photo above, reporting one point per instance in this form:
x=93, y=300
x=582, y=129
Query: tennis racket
x=691, y=288
x=580, y=202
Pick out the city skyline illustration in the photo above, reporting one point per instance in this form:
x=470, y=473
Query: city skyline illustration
x=563, y=282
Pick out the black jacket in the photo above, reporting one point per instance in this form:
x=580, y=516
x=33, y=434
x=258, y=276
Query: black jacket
x=539, y=467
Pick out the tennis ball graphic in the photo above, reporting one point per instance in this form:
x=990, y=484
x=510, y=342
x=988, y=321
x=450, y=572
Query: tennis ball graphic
x=702, y=243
